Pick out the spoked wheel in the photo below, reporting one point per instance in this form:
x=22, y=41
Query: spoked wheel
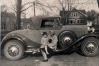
x=13, y=50
x=90, y=47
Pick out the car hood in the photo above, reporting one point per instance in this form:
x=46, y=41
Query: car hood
x=21, y=32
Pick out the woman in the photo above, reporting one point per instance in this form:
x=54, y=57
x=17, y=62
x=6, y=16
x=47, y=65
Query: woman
x=52, y=40
x=51, y=46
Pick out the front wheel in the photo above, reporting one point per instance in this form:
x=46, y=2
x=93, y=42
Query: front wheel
x=90, y=47
x=13, y=50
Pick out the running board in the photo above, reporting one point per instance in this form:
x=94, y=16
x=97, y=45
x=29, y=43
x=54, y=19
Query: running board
x=29, y=51
x=33, y=51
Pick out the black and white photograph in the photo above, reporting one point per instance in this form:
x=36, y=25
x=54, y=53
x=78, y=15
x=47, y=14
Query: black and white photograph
x=49, y=32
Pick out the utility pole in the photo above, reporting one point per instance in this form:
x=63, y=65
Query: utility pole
x=34, y=8
x=18, y=20
x=98, y=3
x=69, y=5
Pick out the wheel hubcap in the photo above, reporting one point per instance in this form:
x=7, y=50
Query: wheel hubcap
x=91, y=47
x=13, y=50
x=67, y=40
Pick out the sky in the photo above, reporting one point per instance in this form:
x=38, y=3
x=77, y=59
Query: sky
x=88, y=5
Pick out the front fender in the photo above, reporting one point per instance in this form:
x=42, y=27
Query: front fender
x=87, y=36
x=8, y=38
x=27, y=42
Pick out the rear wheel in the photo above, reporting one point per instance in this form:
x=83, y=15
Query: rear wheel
x=90, y=47
x=13, y=50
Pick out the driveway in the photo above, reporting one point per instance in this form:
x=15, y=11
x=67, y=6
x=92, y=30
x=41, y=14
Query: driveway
x=60, y=59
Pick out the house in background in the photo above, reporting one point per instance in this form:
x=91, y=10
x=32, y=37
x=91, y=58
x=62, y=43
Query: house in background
x=8, y=21
x=73, y=17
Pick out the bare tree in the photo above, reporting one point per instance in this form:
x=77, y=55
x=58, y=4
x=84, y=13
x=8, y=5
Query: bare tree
x=24, y=7
x=18, y=8
x=91, y=15
x=46, y=7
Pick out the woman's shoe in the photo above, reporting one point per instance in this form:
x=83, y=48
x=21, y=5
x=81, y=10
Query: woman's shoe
x=45, y=60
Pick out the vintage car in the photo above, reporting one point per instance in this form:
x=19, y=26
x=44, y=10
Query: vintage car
x=70, y=37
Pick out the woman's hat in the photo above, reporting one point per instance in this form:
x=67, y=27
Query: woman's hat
x=52, y=32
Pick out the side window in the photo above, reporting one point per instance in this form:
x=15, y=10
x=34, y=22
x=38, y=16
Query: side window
x=47, y=23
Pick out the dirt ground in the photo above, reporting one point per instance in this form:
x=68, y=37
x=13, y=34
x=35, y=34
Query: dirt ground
x=60, y=59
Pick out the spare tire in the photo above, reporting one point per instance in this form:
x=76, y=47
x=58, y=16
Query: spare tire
x=66, y=38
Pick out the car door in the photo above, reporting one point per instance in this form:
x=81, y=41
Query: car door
x=50, y=24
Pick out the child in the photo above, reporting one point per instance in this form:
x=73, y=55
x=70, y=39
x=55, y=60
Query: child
x=44, y=42
x=90, y=26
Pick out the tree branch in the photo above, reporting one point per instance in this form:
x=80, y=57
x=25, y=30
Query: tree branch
x=26, y=4
x=43, y=9
x=13, y=7
x=61, y=3
x=26, y=8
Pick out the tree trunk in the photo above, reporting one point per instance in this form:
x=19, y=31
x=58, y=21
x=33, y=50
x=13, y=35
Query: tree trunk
x=18, y=20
